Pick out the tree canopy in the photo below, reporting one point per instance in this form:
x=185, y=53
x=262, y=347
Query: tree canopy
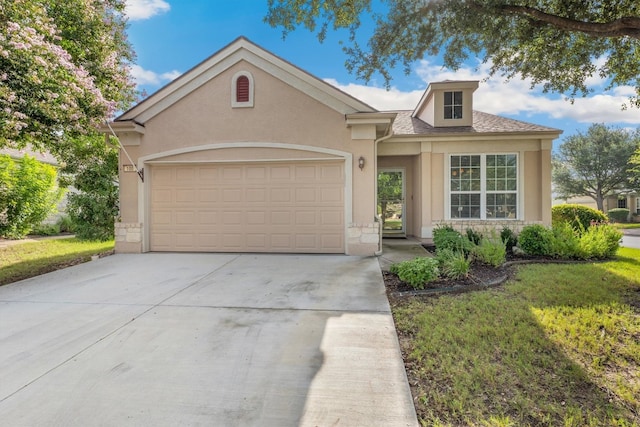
x=63, y=69
x=595, y=164
x=557, y=43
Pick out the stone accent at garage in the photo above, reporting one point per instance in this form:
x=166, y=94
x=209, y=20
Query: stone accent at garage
x=128, y=237
x=363, y=239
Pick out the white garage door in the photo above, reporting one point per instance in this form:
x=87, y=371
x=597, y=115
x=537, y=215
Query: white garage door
x=255, y=207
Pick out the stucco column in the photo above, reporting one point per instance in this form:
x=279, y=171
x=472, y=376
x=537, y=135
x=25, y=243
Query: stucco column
x=129, y=229
x=545, y=182
x=426, y=230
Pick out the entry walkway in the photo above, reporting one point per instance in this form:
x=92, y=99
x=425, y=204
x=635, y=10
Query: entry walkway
x=397, y=250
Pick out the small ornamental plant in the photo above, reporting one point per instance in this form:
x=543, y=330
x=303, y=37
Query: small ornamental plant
x=417, y=272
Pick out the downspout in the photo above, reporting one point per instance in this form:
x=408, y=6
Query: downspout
x=378, y=218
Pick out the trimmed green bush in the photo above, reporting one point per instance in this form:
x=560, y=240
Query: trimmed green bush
x=536, y=240
x=28, y=193
x=618, y=215
x=491, y=251
x=453, y=264
x=448, y=238
x=578, y=216
x=417, y=272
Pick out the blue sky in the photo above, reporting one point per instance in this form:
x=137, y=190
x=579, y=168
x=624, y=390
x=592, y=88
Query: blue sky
x=171, y=36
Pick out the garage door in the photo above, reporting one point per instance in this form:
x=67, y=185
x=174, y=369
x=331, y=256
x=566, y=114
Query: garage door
x=255, y=207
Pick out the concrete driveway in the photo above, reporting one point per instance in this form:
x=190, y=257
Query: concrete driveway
x=203, y=339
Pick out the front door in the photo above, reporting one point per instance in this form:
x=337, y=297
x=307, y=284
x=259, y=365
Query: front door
x=391, y=201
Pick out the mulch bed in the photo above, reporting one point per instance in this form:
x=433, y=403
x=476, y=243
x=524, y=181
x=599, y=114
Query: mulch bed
x=481, y=276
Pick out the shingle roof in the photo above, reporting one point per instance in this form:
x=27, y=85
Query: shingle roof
x=404, y=124
x=14, y=153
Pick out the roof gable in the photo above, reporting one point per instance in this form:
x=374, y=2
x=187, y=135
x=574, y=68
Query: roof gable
x=244, y=50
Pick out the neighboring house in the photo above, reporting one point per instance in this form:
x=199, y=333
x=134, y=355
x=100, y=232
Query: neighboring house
x=624, y=199
x=248, y=153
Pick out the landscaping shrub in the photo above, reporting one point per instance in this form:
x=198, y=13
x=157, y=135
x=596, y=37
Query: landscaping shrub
x=46, y=230
x=448, y=238
x=536, y=240
x=509, y=238
x=618, y=215
x=453, y=264
x=580, y=217
x=417, y=272
x=491, y=251
x=565, y=242
x=65, y=224
x=28, y=193
x=600, y=242
x=94, y=208
x=474, y=236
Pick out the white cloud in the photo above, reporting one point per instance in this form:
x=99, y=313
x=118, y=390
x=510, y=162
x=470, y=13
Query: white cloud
x=144, y=9
x=148, y=77
x=499, y=97
x=380, y=98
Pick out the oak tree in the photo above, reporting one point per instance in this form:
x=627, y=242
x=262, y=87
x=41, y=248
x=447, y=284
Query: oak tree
x=595, y=164
x=559, y=44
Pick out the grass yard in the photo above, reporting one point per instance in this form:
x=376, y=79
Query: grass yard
x=31, y=259
x=559, y=345
x=626, y=225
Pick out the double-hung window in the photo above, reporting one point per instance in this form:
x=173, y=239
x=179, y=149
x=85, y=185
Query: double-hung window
x=483, y=186
x=453, y=105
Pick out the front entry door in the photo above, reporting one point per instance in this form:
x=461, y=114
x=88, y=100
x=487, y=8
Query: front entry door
x=391, y=201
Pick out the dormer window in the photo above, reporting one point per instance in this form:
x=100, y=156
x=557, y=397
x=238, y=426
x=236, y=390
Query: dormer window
x=453, y=105
x=242, y=90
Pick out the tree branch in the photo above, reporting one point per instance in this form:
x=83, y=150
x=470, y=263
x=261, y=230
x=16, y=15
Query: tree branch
x=624, y=26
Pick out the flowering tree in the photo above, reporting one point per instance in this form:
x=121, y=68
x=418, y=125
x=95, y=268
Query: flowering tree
x=63, y=69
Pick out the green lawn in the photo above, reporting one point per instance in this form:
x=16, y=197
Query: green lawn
x=559, y=345
x=626, y=225
x=31, y=259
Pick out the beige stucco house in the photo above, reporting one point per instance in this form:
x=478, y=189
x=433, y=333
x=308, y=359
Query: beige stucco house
x=626, y=199
x=248, y=153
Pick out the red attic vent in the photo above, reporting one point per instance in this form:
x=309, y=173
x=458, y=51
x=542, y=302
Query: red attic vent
x=242, y=89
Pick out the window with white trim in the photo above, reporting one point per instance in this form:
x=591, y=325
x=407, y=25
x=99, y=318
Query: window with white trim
x=453, y=105
x=638, y=204
x=483, y=186
x=242, y=90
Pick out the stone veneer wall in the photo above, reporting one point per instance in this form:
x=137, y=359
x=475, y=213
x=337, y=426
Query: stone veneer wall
x=363, y=239
x=128, y=236
x=484, y=226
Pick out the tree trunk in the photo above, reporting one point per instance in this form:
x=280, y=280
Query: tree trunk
x=600, y=202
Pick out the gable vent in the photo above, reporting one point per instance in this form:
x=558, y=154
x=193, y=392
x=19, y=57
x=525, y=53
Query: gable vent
x=242, y=89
